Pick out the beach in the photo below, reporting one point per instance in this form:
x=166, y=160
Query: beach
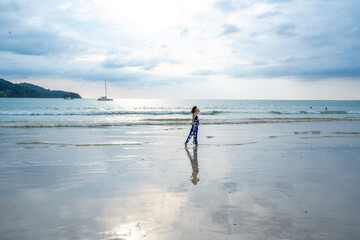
x=80, y=171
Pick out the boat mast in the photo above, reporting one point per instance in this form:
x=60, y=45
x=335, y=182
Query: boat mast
x=105, y=89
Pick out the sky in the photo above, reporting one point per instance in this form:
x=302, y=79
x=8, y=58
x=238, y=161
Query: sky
x=221, y=49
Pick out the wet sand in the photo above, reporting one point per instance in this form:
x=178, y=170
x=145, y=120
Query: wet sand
x=255, y=181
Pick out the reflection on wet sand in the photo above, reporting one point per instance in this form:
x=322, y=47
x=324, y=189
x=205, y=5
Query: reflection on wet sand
x=194, y=164
x=283, y=188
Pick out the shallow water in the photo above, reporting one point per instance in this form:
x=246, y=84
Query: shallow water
x=44, y=113
x=256, y=181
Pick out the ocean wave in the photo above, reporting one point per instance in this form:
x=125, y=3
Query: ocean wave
x=97, y=113
x=312, y=112
x=168, y=119
x=333, y=112
x=83, y=144
x=168, y=122
x=157, y=113
x=283, y=112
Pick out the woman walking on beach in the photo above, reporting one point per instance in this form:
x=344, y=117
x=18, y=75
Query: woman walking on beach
x=195, y=126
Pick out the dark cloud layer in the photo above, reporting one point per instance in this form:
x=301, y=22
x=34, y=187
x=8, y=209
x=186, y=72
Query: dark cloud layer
x=36, y=42
x=286, y=30
x=305, y=40
x=8, y=6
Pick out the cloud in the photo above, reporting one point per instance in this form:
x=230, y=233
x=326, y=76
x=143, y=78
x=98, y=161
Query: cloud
x=204, y=72
x=276, y=1
x=119, y=41
x=123, y=63
x=293, y=69
x=184, y=32
x=25, y=31
x=36, y=42
x=269, y=14
x=289, y=59
x=227, y=6
x=260, y=62
x=9, y=6
x=54, y=67
x=229, y=29
x=233, y=6
x=286, y=30
x=142, y=62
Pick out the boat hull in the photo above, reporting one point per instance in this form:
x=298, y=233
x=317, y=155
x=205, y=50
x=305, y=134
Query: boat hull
x=105, y=99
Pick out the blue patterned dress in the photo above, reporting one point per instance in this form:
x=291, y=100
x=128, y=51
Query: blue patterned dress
x=194, y=131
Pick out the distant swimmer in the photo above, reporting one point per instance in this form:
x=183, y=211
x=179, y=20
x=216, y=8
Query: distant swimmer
x=325, y=108
x=195, y=126
x=310, y=107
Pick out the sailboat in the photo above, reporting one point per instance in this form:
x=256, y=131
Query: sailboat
x=105, y=98
x=68, y=97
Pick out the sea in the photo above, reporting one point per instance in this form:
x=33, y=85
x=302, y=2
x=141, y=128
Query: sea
x=45, y=113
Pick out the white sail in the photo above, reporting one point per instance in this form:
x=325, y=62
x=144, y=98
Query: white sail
x=105, y=98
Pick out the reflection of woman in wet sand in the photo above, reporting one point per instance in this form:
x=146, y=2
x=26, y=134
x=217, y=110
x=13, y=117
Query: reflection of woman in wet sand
x=194, y=164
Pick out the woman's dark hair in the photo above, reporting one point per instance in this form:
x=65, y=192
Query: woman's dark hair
x=193, y=109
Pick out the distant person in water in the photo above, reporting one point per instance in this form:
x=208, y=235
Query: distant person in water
x=194, y=127
x=326, y=109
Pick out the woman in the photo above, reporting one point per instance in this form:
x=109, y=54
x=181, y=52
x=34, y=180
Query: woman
x=195, y=126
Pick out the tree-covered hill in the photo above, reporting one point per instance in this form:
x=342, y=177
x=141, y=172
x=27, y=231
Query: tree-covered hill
x=27, y=90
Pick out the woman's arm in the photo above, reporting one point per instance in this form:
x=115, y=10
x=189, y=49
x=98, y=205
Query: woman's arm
x=193, y=119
